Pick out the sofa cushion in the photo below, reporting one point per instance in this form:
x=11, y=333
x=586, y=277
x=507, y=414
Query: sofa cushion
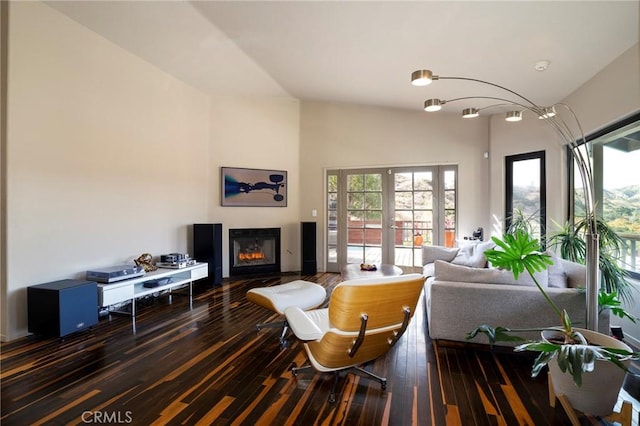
x=557, y=275
x=575, y=272
x=432, y=253
x=473, y=254
x=444, y=271
x=428, y=270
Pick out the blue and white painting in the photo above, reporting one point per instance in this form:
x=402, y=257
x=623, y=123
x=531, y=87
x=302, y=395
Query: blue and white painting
x=253, y=187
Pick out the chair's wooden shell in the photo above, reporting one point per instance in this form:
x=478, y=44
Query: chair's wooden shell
x=383, y=303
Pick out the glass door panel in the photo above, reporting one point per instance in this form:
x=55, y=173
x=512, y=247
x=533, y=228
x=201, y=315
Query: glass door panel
x=332, y=221
x=413, y=214
x=364, y=217
x=450, y=208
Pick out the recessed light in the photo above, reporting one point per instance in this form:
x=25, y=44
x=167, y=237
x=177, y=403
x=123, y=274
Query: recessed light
x=541, y=65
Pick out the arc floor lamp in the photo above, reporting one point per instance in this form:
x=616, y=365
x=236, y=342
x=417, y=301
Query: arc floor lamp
x=571, y=135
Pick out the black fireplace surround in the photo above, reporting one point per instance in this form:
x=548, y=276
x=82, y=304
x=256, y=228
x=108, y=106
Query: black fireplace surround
x=254, y=251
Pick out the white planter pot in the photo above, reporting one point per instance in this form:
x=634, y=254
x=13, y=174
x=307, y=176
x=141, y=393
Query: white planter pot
x=600, y=388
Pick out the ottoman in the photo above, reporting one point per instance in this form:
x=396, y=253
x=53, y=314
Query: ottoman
x=302, y=294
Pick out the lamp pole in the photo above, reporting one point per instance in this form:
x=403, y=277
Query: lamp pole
x=566, y=133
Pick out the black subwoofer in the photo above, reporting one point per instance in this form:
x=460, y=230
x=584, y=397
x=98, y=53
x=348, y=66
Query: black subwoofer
x=207, y=247
x=308, y=248
x=62, y=307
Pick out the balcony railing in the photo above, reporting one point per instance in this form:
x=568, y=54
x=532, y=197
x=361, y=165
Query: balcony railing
x=629, y=259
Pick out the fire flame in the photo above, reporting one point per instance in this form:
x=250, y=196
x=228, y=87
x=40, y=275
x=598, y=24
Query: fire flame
x=251, y=256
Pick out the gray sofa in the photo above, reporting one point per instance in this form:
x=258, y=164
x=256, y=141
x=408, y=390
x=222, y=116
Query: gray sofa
x=459, y=297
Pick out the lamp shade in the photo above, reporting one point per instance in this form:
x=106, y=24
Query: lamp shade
x=421, y=77
x=548, y=112
x=470, y=112
x=432, y=105
x=514, y=116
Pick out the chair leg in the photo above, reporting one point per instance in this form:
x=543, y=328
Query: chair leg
x=332, y=394
x=283, y=339
x=271, y=325
x=294, y=368
x=285, y=328
x=336, y=377
x=379, y=379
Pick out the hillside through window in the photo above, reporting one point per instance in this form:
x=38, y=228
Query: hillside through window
x=615, y=155
x=526, y=198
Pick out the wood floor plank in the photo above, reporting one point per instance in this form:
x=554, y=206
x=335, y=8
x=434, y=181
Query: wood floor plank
x=205, y=363
x=49, y=418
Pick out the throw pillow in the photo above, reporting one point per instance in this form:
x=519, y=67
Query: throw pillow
x=444, y=271
x=473, y=254
x=432, y=253
x=428, y=270
x=557, y=276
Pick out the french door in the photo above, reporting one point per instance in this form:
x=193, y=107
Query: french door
x=386, y=215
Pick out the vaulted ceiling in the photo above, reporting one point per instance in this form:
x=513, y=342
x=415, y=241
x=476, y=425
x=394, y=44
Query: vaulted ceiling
x=364, y=51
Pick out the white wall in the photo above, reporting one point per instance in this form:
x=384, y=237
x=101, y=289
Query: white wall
x=257, y=133
x=109, y=157
x=336, y=135
x=528, y=135
x=610, y=95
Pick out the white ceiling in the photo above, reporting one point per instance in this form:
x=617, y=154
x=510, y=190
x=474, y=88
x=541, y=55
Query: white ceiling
x=364, y=51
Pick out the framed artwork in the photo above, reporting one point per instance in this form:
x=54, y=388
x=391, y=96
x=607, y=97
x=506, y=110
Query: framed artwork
x=253, y=187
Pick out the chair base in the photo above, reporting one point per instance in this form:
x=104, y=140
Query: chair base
x=336, y=375
x=283, y=324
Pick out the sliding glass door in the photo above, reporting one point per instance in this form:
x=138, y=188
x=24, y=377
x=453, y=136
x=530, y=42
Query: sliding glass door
x=386, y=215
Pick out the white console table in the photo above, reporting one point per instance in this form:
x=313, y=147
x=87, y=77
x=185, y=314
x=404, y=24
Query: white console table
x=129, y=290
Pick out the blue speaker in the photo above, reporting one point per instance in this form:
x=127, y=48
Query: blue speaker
x=62, y=307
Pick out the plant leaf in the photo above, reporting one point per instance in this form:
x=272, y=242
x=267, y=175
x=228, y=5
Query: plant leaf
x=497, y=334
x=566, y=321
x=611, y=302
x=542, y=360
x=519, y=252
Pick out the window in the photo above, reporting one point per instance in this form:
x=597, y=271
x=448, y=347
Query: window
x=615, y=157
x=526, y=199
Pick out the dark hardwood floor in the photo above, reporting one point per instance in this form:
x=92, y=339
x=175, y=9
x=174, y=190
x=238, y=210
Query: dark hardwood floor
x=205, y=364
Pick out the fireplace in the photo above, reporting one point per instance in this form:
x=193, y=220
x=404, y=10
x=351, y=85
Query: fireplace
x=254, y=251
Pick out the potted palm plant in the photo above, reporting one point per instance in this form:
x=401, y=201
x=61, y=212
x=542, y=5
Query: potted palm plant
x=593, y=361
x=570, y=242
